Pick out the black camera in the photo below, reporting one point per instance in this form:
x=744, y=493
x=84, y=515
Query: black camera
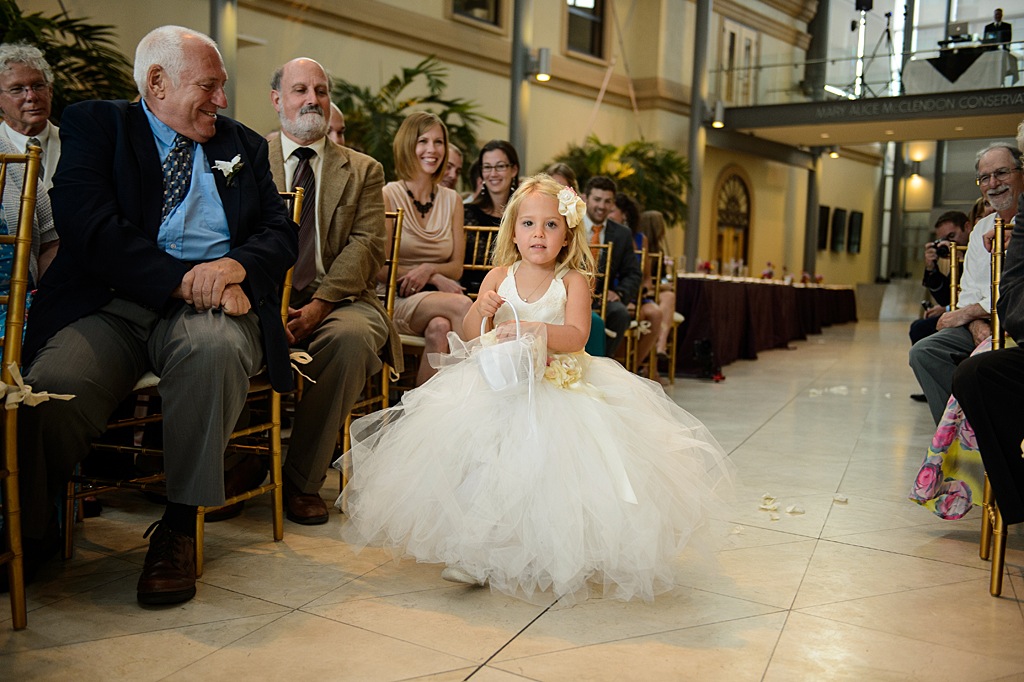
x=941, y=248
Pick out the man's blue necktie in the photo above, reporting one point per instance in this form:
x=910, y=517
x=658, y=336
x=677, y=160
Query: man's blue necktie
x=177, y=174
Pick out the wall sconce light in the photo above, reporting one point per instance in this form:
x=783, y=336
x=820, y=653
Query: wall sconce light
x=833, y=152
x=540, y=66
x=719, y=118
x=915, y=168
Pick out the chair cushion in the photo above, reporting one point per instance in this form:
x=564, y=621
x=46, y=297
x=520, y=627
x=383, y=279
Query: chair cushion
x=147, y=380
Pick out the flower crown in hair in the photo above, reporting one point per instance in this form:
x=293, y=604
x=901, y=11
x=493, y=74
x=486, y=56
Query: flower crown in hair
x=571, y=206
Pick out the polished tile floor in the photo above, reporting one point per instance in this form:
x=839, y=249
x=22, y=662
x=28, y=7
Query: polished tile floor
x=870, y=588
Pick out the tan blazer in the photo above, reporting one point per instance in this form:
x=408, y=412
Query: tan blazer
x=352, y=232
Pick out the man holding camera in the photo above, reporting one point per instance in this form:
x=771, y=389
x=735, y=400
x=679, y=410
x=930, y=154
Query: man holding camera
x=959, y=331
x=951, y=228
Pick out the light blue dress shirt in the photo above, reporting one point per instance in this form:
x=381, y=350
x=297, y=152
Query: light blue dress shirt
x=196, y=229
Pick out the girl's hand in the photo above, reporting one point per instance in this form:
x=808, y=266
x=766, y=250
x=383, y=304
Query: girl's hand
x=488, y=303
x=506, y=331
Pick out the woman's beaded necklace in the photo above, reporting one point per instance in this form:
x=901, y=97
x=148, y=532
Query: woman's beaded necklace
x=422, y=209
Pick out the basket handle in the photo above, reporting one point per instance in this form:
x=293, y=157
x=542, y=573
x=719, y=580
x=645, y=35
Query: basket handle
x=515, y=314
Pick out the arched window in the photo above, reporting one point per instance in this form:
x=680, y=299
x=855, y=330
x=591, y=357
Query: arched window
x=732, y=220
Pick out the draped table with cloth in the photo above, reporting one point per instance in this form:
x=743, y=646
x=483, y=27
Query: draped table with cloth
x=742, y=316
x=955, y=71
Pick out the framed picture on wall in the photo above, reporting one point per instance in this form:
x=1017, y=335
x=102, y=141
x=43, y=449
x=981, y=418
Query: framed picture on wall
x=823, y=215
x=838, y=230
x=853, y=238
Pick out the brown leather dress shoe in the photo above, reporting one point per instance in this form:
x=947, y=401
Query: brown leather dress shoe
x=303, y=508
x=169, y=572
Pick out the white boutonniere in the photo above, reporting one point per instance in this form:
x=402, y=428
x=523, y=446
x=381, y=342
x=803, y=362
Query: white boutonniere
x=229, y=168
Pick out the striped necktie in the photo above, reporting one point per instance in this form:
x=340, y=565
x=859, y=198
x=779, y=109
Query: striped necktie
x=305, y=266
x=177, y=169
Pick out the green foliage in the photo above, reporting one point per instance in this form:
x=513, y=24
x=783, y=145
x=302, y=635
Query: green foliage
x=654, y=175
x=372, y=119
x=82, y=56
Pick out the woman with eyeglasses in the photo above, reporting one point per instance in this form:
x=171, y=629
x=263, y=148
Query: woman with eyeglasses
x=430, y=301
x=499, y=164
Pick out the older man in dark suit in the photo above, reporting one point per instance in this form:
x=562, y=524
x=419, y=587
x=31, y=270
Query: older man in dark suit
x=625, y=266
x=174, y=245
x=336, y=314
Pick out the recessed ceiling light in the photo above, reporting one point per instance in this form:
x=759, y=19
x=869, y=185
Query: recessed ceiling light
x=958, y=128
x=824, y=136
x=890, y=132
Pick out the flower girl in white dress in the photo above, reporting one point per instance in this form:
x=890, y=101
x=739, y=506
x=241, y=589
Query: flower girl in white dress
x=542, y=472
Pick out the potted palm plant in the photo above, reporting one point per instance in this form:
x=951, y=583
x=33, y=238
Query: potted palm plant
x=653, y=174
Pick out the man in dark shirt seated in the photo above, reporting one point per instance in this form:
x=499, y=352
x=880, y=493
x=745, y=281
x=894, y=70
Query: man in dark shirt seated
x=624, y=268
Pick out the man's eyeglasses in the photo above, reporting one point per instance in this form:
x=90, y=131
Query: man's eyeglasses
x=1000, y=176
x=498, y=167
x=22, y=90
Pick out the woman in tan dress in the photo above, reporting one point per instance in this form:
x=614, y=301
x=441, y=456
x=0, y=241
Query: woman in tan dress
x=430, y=300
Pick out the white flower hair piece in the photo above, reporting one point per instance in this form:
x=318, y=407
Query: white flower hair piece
x=571, y=206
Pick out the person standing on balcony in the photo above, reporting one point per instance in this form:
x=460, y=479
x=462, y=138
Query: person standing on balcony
x=998, y=33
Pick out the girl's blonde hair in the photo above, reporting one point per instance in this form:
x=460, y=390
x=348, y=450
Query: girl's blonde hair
x=575, y=254
x=404, y=145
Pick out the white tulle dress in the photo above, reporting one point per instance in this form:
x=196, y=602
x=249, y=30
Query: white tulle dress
x=586, y=480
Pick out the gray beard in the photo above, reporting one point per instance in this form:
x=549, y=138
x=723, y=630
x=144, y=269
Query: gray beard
x=1005, y=201
x=307, y=127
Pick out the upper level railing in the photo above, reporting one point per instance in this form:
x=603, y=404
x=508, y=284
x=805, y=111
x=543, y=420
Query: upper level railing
x=957, y=66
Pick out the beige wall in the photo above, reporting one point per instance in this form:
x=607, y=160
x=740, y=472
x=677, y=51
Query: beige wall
x=367, y=41
x=777, y=210
x=853, y=185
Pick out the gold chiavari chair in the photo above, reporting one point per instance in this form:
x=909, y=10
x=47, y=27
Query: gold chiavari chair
x=956, y=258
x=650, y=264
x=19, y=238
x=677, y=319
x=602, y=284
x=993, y=528
x=479, y=250
x=261, y=436
x=632, y=333
x=376, y=394
x=602, y=257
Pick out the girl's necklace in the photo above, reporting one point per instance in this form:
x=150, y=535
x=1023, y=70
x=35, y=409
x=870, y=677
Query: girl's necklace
x=546, y=280
x=422, y=209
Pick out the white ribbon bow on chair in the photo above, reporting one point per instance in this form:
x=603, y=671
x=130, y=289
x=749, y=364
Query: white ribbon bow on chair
x=21, y=393
x=300, y=357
